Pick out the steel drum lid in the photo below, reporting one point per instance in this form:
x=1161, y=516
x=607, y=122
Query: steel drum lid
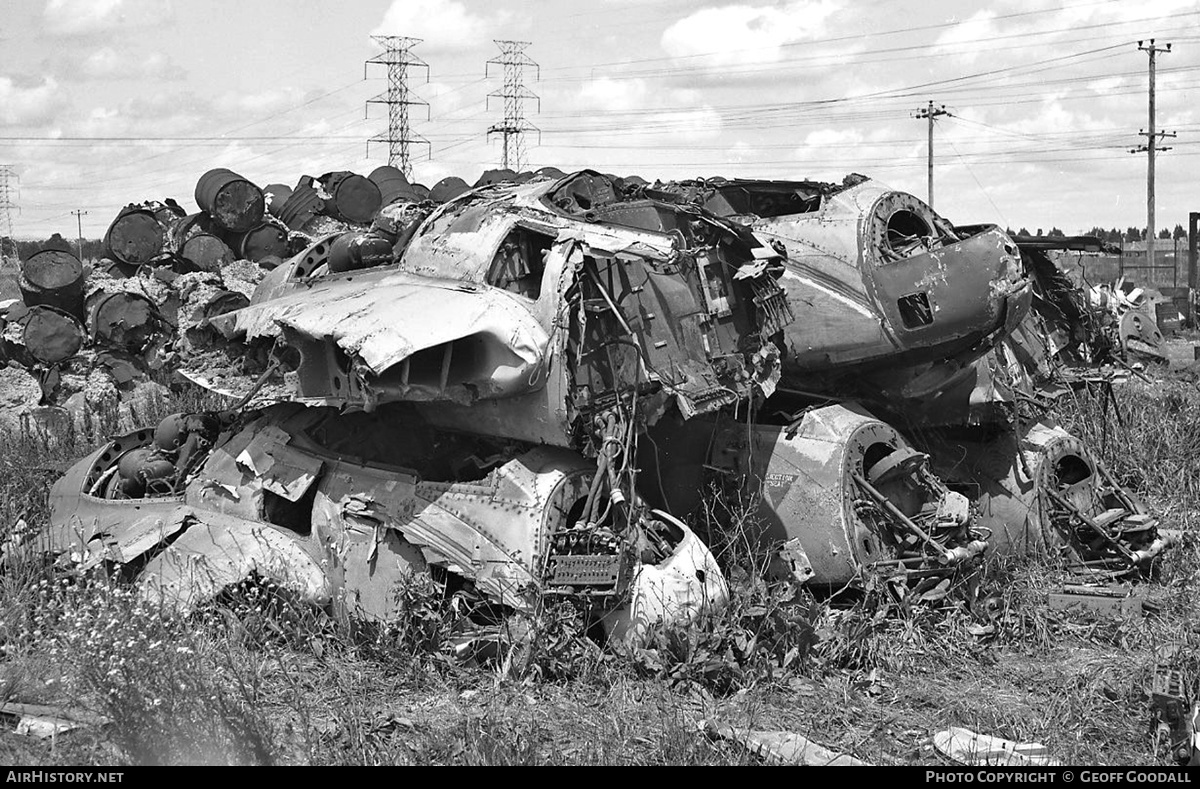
x=357, y=198
x=206, y=252
x=52, y=268
x=135, y=237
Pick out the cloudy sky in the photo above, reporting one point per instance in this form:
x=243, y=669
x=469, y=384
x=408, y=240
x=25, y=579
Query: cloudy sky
x=107, y=102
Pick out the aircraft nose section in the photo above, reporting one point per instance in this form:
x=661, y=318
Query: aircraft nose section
x=960, y=291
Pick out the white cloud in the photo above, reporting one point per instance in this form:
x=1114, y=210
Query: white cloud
x=702, y=123
x=613, y=95
x=741, y=34
x=28, y=105
x=442, y=96
x=827, y=137
x=1146, y=9
x=108, y=63
x=262, y=103
x=741, y=152
x=440, y=24
x=83, y=17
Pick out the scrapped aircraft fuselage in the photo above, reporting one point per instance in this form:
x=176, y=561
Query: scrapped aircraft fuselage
x=474, y=404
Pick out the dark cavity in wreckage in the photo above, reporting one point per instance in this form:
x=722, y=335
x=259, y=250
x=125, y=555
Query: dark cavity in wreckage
x=528, y=389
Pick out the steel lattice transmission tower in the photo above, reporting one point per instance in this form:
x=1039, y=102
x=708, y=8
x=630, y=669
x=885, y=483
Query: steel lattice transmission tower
x=8, y=188
x=514, y=93
x=398, y=58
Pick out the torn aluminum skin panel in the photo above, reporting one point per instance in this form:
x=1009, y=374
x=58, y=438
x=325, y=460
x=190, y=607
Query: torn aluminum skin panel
x=493, y=531
x=782, y=747
x=1074, y=330
x=748, y=200
x=853, y=493
x=883, y=287
x=1086, y=328
x=678, y=591
x=184, y=552
x=216, y=552
x=1041, y=491
x=352, y=332
x=282, y=497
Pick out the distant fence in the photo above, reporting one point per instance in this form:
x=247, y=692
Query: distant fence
x=1169, y=271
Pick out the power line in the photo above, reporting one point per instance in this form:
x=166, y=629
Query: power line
x=676, y=61
x=398, y=58
x=514, y=93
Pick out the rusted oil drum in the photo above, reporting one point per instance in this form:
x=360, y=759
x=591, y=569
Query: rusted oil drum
x=354, y=198
x=225, y=301
x=351, y=251
x=55, y=278
x=447, y=189
x=206, y=252
x=171, y=260
x=269, y=238
x=276, y=195
x=122, y=320
x=496, y=177
x=51, y=335
x=167, y=212
x=185, y=227
x=135, y=236
x=301, y=206
x=234, y=203
x=392, y=184
x=115, y=268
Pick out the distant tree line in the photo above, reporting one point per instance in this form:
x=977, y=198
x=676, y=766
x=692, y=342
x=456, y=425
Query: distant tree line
x=1115, y=235
x=93, y=248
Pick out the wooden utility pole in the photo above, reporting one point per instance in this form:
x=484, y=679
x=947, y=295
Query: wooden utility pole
x=931, y=112
x=79, y=214
x=1150, y=147
x=1193, y=253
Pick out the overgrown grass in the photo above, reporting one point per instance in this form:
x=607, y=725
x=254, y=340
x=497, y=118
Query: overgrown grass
x=256, y=678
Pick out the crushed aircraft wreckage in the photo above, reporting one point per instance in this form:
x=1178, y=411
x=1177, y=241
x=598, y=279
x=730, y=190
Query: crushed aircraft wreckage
x=465, y=387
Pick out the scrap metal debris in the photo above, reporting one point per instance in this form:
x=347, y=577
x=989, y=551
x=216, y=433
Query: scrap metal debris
x=782, y=747
x=983, y=750
x=1110, y=598
x=1174, y=719
x=523, y=388
x=45, y=721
